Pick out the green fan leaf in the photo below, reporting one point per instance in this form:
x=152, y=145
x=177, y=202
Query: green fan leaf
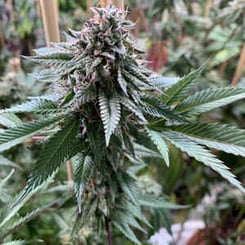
x=17, y=242
x=57, y=59
x=83, y=166
x=156, y=108
x=110, y=110
x=7, y=163
x=152, y=201
x=35, y=105
x=209, y=99
x=127, y=231
x=122, y=82
x=16, y=135
x=180, y=90
x=221, y=137
x=63, y=145
x=17, y=205
x=4, y=181
x=160, y=144
x=9, y=120
x=202, y=155
x=133, y=108
x=23, y=220
x=162, y=82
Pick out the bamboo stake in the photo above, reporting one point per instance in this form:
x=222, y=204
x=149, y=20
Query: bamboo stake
x=49, y=9
x=240, y=67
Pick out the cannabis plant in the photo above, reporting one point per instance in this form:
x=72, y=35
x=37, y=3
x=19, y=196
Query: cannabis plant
x=106, y=114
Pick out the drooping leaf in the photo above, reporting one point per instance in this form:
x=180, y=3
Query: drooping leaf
x=63, y=145
x=83, y=167
x=19, y=203
x=127, y=231
x=218, y=136
x=202, y=155
x=26, y=218
x=160, y=144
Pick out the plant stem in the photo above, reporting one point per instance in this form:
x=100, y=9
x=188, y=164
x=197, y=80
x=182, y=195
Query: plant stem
x=108, y=231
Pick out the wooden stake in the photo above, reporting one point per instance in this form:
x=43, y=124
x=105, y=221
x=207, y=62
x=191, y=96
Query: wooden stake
x=1, y=40
x=119, y=4
x=240, y=67
x=208, y=8
x=89, y=5
x=104, y=3
x=69, y=171
x=49, y=9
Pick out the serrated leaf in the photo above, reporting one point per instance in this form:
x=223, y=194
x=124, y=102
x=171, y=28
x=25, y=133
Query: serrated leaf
x=202, y=155
x=110, y=110
x=127, y=231
x=56, y=59
x=4, y=181
x=26, y=218
x=16, y=135
x=180, y=90
x=133, y=108
x=17, y=205
x=122, y=82
x=210, y=99
x=221, y=137
x=63, y=145
x=152, y=201
x=160, y=144
x=162, y=82
x=83, y=167
x=154, y=107
x=17, y=242
x=50, y=97
x=9, y=120
x=35, y=105
x=7, y=163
